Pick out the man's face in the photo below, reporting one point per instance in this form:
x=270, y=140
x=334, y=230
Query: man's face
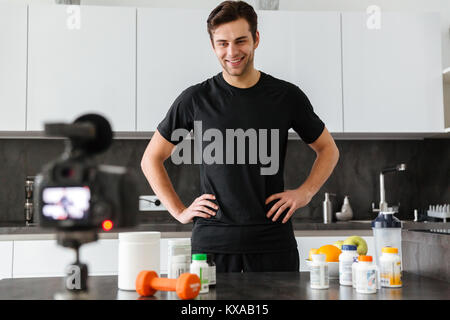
x=234, y=46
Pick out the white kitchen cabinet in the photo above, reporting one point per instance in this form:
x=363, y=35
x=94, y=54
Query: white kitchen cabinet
x=392, y=76
x=40, y=258
x=6, y=254
x=305, y=49
x=13, y=64
x=81, y=59
x=45, y=258
x=173, y=53
x=307, y=243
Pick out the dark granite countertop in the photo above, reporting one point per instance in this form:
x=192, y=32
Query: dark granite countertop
x=17, y=228
x=237, y=286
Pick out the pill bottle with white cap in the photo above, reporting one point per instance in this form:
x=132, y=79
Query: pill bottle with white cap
x=319, y=272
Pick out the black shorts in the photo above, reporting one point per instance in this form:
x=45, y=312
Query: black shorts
x=257, y=262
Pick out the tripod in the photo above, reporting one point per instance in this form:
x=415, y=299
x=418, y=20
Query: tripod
x=76, y=277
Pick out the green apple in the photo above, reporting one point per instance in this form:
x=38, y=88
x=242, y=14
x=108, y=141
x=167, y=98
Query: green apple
x=360, y=243
x=338, y=244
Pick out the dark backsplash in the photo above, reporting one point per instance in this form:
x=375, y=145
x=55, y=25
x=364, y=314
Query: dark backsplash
x=425, y=182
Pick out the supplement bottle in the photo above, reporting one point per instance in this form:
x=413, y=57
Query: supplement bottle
x=178, y=266
x=346, y=259
x=212, y=270
x=390, y=268
x=319, y=272
x=178, y=247
x=201, y=268
x=366, y=275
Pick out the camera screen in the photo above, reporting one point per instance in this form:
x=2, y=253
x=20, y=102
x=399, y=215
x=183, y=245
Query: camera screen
x=65, y=203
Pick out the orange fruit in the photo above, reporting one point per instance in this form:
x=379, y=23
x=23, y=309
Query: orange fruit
x=332, y=252
x=312, y=251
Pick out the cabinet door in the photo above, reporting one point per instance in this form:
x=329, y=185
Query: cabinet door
x=45, y=258
x=6, y=263
x=392, y=75
x=101, y=257
x=305, y=49
x=81, y=59
x=41, y=258
x=13, y=63
x=174, y=52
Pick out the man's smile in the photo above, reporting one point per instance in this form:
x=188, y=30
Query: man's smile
x=235, y=62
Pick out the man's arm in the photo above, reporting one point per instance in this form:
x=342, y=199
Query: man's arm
x=152, y=165
x=327, y=158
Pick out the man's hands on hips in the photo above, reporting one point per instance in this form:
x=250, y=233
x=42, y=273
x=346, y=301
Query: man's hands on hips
x=198, y=208
x=292, y=199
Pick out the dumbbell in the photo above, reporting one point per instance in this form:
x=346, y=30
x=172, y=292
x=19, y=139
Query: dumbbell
x=187, y=285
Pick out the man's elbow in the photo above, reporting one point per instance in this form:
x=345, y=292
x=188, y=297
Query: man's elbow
x=335, y=153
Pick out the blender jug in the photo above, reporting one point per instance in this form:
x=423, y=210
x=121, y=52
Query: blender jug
x=387, y=232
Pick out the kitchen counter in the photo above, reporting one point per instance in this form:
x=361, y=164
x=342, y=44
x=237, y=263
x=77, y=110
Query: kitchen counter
x=19, y=231
x=237, y=286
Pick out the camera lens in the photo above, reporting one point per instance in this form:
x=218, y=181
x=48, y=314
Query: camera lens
x=67, y=172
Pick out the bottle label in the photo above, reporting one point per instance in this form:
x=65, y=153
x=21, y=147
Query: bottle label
x=204, y=272
x=391, y=274
x=366, y=281
x=212, y=275
x=345, y=271
x=319, y=276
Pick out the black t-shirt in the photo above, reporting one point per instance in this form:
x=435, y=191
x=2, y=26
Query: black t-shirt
x=264, y=112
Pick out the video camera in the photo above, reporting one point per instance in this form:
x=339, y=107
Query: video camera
x=74, y=193
x=78, y=197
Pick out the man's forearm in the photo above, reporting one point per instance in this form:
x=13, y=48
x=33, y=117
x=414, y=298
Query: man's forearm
x=159, y=180
x=321, y=170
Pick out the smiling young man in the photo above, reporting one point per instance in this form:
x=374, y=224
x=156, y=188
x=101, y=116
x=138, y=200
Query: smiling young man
x=243, y=216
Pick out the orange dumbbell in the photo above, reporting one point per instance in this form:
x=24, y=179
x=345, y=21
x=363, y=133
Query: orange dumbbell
x=187, y=286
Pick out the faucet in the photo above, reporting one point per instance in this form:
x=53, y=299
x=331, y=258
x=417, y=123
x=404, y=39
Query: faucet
x=383, y=203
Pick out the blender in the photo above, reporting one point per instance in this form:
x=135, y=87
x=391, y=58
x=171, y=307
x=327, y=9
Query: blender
x=387, y=232
x=387, y=229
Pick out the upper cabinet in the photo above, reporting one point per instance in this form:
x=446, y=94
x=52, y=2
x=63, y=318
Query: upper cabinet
x=392, y=74
x=130, y=64
x=173, y=53
x=13, y=67
x=305, y=49
x=81, y=59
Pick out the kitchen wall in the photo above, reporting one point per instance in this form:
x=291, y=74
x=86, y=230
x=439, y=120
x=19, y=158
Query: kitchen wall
x=442, y=6
x=425, y=182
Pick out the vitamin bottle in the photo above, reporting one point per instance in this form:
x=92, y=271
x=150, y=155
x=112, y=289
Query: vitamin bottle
x=201, y=268
x=212, y=270
x=366, y=275
x=319, y=272
x=346, y=259
x=390, y=268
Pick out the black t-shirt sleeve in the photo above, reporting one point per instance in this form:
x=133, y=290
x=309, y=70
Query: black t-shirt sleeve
x=304, y=120
x=179, y=116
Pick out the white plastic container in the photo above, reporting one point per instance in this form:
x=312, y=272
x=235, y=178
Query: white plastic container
x=137, y=251
x=178, y=266
x=366, y=275
x=390, y=268
x=200, y=267
x=178, y=247
x=319, y=272
x=346, y=260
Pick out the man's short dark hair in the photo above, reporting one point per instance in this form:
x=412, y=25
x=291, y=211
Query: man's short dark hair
x=229, y=11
